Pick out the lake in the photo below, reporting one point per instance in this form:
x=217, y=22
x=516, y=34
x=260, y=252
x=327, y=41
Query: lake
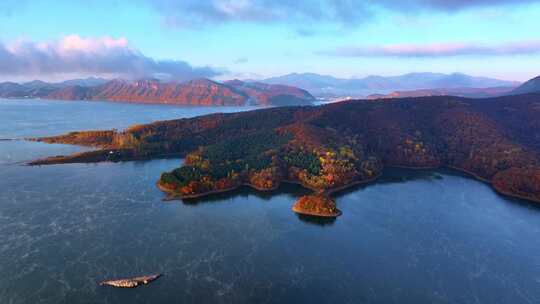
x=411, y=237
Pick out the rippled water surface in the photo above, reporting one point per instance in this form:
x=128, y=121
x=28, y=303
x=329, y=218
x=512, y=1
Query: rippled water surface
x=412, y=237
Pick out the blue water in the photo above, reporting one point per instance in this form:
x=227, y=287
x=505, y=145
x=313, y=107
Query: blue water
x=412, y=237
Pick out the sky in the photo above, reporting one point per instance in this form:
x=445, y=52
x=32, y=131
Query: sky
x=254, y=39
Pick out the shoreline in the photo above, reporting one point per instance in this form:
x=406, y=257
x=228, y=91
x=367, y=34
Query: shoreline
x=497, y=190
x=472, y=174
x=175, y=196
x=339, y=213
x=414, y=168
x=517, y=196
x=71, y=159
x=352, y=184
x=145, y=103
x=172, y=195
x=481, y=179
x=95, y=157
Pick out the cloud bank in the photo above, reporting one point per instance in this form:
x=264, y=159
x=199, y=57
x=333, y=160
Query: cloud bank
x=448, y=5
x=196, y=13
x=438, y=50
x=105, y=56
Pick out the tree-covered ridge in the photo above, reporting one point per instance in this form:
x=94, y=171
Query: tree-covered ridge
x=248, y=147
x=262, y=160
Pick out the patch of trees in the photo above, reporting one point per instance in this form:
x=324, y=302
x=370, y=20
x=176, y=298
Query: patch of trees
x=248, y=148
x=304, y=160
x=182, y=176
x=85, y=138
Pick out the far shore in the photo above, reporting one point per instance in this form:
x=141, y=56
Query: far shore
x=145, y=103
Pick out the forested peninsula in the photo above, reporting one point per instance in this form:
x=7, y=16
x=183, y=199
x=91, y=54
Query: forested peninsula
x=328, y=148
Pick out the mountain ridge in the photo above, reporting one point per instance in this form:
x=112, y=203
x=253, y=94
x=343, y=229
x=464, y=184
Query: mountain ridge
x=201, y=91
x=329, y=86
x=459, y=92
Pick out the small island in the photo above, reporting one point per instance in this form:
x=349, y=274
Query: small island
x=316, y=205
x=329, y=148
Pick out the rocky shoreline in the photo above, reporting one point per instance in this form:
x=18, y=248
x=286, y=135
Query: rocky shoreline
x=98, y=156
x=323, y=199
x=173, y=195
x=318, y=204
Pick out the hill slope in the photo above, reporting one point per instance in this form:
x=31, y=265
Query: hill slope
x=531, y=86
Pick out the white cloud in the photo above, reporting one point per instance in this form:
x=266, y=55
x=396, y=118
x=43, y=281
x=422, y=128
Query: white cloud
x=104, y=56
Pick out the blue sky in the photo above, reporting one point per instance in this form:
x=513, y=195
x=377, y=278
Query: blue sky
x=260, y=38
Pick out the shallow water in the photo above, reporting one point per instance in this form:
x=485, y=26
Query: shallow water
x=412, y=237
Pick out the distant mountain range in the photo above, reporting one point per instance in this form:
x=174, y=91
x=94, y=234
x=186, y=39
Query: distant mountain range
x=196, y=92
x=291, y=89
x=38, y=88
x=328, y=86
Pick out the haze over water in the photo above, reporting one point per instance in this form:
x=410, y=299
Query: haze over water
x=428, y=237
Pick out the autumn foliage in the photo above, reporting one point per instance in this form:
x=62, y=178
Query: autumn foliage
x=329, y=147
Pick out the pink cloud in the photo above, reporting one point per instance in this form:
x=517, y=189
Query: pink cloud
x=75, y=42
x=90, y=56
x=439, y=50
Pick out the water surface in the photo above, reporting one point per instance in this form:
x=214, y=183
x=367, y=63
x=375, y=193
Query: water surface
x=412, y=237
